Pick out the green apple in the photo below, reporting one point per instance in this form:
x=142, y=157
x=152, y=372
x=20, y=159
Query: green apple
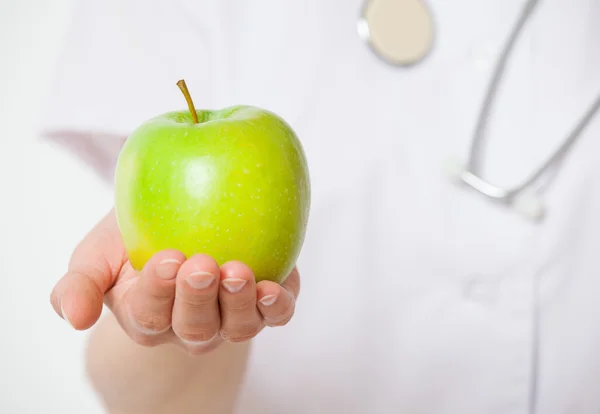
x=231, y=183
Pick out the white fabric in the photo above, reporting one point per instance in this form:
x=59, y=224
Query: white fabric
x=417, y=297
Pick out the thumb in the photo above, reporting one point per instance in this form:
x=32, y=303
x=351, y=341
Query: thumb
x=78, y=297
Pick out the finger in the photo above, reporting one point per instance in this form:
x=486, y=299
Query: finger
x=146, y=309
x=240, y=318
x=277, y=303
x=196, y=319
x=93, y=268
x=292, y=283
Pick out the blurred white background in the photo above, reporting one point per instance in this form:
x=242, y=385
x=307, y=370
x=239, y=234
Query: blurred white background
x=41, y=358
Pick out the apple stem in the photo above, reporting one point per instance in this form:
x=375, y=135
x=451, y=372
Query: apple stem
x=188, y=99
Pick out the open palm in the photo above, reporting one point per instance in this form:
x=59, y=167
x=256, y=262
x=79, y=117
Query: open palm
x=192, y=302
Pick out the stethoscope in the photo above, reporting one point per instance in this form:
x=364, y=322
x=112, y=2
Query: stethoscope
x=401, y=32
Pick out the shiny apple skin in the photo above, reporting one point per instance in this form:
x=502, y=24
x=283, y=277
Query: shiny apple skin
x=235, y=186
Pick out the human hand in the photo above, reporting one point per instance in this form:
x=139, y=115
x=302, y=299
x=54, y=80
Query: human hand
x=192, y=302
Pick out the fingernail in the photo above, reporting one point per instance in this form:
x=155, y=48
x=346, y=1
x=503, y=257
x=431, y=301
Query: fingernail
x=233, y=285
x=199, y=280
x=65, y=317
x=167, y=269
x=268, y=300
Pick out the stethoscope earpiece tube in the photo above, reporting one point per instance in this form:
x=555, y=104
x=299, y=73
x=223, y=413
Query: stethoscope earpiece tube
x=522, y=198
x=527, y=204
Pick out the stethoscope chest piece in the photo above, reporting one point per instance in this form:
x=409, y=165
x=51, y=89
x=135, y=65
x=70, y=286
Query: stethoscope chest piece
x=401, y=32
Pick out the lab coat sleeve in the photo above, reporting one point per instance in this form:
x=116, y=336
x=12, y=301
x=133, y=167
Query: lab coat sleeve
x=117, y=68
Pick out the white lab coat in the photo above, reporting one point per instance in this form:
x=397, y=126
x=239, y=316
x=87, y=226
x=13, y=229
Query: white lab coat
x=417, y=296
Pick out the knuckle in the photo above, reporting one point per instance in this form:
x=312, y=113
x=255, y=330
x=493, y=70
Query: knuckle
x=241, y=306
x=198, y=303
x=151, y=324
x=281, y=319
x=202, y=349
x=237, y=338
x=242, y=333
x=196, y=336
x=160, y=295
x=147, y=341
